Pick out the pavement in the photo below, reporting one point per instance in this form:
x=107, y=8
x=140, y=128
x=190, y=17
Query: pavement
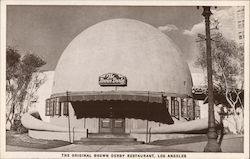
x=230, y=143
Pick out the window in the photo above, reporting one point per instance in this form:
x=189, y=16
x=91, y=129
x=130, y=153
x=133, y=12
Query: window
x=177, y=109
x=240, y=13
x=118, y=123
x=184, y=108
x=167, y=104
x=51, y=108
x=240, y=35
x=47, y=107
x=197, y=112
x=57, y=107
x=240, y=24
x=190, y=109
x=174, y=107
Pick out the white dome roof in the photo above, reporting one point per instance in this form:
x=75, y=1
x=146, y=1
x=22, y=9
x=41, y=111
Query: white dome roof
x=146, y=56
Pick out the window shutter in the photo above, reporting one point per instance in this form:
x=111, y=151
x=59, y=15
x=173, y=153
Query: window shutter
x=65, y=108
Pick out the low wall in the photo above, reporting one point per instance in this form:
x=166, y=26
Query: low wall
x=57, y=135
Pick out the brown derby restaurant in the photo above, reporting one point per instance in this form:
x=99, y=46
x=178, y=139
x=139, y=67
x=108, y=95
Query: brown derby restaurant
x=118, y=76
x=115, y=110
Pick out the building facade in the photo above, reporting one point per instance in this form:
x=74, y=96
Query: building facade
x=120, y=75
x=239, y=16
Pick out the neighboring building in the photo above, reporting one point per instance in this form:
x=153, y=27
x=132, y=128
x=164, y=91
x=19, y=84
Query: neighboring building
x=239, y=20
x=199, y=94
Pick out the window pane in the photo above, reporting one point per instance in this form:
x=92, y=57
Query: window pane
x=106, y=123
x=118, y=124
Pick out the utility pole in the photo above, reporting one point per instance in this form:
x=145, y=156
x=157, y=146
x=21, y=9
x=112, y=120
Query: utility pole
x=212, y=145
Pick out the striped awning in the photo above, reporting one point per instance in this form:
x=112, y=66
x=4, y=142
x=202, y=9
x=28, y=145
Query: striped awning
x=125, y=104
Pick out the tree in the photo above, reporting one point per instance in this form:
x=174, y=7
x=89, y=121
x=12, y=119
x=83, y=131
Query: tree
x=19, y=73
x=228, y=70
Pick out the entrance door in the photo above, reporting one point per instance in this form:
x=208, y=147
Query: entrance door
x=110, y=125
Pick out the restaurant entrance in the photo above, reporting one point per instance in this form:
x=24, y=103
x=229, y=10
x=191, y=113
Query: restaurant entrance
x=111, y=125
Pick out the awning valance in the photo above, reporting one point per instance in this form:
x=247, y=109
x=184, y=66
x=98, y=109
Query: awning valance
x=151, y=97
x=141, y=96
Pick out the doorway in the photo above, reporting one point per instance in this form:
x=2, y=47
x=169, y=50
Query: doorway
x=112, y=125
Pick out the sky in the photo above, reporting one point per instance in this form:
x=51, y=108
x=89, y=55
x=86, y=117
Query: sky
x=47, y=30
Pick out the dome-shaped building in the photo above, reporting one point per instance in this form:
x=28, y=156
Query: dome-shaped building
x=116, y=76
x=146, y=56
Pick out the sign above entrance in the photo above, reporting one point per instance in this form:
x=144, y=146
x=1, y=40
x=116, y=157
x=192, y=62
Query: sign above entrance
x=112, y=79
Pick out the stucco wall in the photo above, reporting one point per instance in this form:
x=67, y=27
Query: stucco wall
x=43, y=93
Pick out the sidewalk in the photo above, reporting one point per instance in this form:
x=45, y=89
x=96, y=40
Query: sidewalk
x=230, y=143
x=19, y=148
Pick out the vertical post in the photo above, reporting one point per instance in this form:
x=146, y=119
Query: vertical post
x=67, y=95
x=84, y=123
x=147, y=132
x=73, y=134
x=212, y=145
x=147, y=119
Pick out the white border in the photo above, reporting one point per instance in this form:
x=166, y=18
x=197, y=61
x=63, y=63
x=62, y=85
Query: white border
x=4, y=154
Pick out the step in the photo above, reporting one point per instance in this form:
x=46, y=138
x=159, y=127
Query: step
x=108, y=139
x=106, y=135
x=108, y=142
